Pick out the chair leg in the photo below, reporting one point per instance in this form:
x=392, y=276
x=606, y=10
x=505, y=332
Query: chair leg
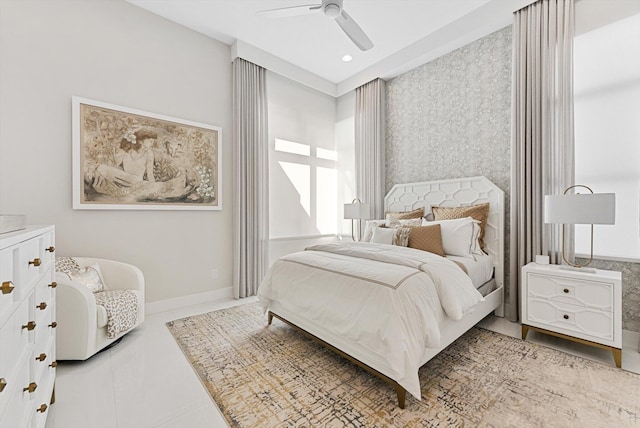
x=270, y=318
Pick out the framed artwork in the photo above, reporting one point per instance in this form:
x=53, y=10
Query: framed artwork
x=126, y=159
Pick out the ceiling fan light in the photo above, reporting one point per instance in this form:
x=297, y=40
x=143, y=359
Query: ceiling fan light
x=332, y=10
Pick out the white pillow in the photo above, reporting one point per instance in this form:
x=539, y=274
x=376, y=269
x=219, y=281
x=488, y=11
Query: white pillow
x=383, y=235
x=368, y=229
x=459, y=236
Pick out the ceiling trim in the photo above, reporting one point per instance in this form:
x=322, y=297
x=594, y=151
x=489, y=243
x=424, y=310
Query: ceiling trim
x=240, y=49
x=494, y=15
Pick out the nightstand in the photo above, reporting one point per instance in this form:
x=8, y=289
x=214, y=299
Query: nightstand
x=579, y=306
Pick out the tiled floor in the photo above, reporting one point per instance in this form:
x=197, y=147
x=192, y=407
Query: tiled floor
x=145, y=381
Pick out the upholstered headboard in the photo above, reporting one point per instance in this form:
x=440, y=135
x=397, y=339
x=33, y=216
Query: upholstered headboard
x=454, y=193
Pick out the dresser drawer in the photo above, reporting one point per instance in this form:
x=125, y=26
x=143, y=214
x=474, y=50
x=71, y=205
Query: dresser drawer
x=588, y=294
x=47, y=249
x=27, y=266
x=578, y=321
x=15, y=341
x=45, y=288
x=43, y=358
x=42, y=399
x=14, y=402
x=8, y=294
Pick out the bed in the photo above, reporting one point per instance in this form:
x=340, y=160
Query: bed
x=391, y=309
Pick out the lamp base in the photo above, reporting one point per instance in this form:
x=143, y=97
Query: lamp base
x=578, y=269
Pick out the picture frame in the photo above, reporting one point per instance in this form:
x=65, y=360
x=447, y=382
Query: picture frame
x=128, y=159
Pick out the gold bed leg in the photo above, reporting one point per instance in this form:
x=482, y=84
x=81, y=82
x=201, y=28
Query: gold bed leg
x=525, y=330
x=270, y=318
x=402, y=394
x=617, y=356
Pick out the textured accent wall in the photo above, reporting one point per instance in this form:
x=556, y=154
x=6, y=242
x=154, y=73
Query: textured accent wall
x=630, y=289
x=452, y=118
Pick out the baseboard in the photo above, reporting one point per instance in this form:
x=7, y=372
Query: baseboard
x=631, y=339
x=191, y=299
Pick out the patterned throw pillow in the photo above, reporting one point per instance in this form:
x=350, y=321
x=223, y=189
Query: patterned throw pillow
x=427, y=238
x=90, y=277
x=67, y=265
x=401, y=238
x=404, y=215
x=479, y=212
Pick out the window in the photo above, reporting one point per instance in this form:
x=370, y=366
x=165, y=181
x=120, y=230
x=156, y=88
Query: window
x=607, y=132
x=303, y=186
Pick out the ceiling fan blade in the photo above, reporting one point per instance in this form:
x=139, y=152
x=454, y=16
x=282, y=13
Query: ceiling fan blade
x=290, y=11
x=354, y=32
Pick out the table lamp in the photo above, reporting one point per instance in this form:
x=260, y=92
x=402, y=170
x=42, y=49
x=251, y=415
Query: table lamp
x=357, y=211
x=590, y=208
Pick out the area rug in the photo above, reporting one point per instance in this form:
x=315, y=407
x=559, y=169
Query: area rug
x=273, y=376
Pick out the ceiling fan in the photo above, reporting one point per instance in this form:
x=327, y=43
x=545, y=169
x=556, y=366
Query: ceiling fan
x=332, y=9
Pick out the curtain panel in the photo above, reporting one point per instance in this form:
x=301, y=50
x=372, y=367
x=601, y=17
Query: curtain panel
x=369, y=145
x=251, y=185
x=542, y=132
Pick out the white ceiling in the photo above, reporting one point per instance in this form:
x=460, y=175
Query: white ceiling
x=405, y=33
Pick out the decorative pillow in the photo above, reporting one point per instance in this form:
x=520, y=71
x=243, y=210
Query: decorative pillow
x=404, y=215
x=459, y=236
x=90, y=277
x=383, y=235
x=479, y=212
x=427, y=238
x=401, y=238
x=368, y=229
x=67, y=265
x=393, y=222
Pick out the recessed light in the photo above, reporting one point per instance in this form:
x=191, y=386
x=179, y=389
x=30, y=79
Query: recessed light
x=347, y=58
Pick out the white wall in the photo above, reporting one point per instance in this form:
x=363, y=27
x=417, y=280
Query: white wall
x=114, y=52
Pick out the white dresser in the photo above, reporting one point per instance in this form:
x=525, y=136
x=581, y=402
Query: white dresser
x=580, y=306
x=27, y=326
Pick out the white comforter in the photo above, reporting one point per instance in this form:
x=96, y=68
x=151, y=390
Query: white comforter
x=389, y=299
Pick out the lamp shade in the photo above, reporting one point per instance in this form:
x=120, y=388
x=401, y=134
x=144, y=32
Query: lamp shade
x=596, y=208
x=356, y=210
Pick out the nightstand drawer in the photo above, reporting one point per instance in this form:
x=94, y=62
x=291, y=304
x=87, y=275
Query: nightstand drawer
x=578, y=321
x=587, y=294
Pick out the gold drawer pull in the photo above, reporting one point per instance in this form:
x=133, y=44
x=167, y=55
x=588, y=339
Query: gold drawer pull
x=30, y=325
x=54, y=364
x=53, y=284
x=42, y=408
x=53, y=324
x=42, y=306
x=3, y=383
x=35, y=262
x=565, y=317
x=7, y=287
x=32, y=387
x=51, y=249
x=41, y=357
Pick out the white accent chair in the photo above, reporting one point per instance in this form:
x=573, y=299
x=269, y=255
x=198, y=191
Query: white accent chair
x=82, y=325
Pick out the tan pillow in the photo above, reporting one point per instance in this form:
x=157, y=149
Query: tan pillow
x=479, y=212
x=393, y=218
x=427, y=238
x=404, y=215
